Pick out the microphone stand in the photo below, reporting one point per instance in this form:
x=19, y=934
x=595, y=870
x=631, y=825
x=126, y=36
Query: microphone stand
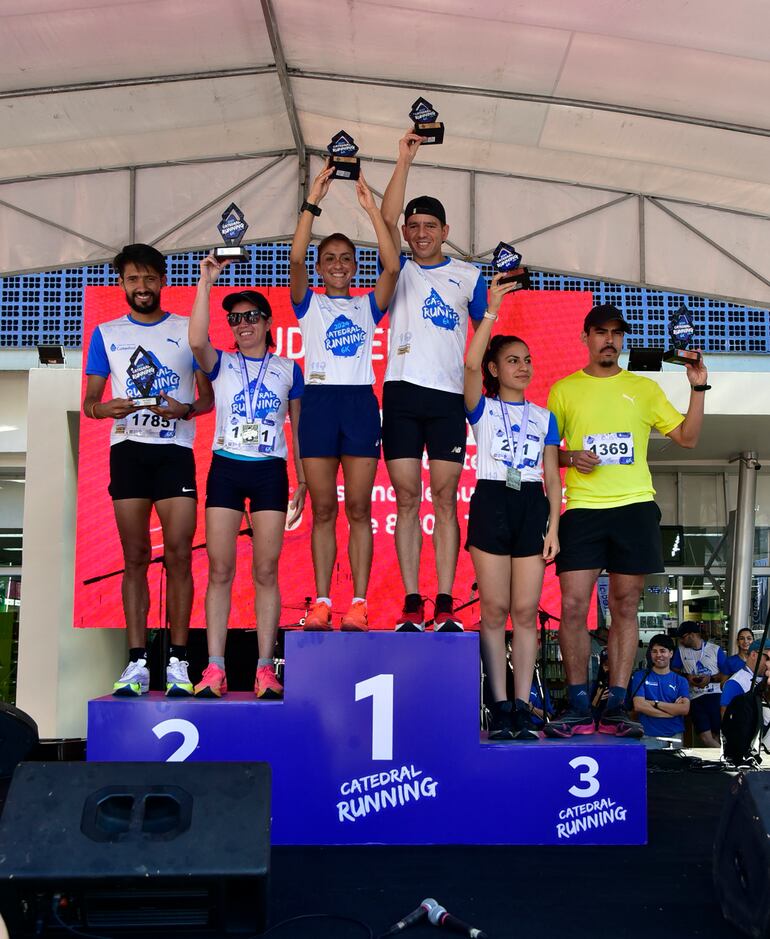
x=544, y=616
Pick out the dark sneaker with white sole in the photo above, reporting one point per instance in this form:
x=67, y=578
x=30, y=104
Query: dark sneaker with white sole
x=523, y=725
x=501, y=725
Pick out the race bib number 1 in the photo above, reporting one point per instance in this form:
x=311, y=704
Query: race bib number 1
x=258, y=436
x=612, y=449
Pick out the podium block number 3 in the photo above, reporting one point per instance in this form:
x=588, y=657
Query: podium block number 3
x=380, y=689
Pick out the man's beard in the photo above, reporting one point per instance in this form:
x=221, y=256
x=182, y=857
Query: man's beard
x=148, y=306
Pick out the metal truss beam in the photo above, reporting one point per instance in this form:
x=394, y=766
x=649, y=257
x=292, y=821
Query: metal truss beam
x=219, y=198
x=56, y=225
x=550, y=100
x=107, y=84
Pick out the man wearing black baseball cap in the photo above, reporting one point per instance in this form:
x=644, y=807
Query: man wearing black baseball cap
x=605, y=415
x=422, y=401
x=701, y=662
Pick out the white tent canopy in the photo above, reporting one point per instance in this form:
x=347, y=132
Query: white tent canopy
x=619, y=140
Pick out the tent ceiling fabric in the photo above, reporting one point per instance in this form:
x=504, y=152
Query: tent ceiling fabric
x=624, y=141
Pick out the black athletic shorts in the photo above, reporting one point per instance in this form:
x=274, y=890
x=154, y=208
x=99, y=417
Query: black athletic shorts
x=414, y=418
x=265, y=483
x=153, y=471
x=706, y=713
x=622, y=540
x=508, y=521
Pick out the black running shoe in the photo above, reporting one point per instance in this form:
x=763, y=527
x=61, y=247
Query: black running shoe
x=569, y=723
x=501, y=725
x=616, y=721
x=523, y=725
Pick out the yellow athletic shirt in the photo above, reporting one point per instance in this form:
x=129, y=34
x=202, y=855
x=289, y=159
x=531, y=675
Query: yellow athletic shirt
x=619, y=404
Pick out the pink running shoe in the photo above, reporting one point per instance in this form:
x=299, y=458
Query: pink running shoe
x=266, y=684
x=319, y=619
x=213, y=683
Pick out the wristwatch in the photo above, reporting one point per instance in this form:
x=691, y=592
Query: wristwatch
x=701, y=387
x=490, y=316
x=311, y=207
x=188, y=414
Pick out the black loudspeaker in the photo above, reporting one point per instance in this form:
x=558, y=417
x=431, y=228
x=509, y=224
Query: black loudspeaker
x=18, y=738
x=136, y=848
x=742, y=854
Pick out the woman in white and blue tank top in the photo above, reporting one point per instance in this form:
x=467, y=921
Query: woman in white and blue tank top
x=512, y=524
x=254, y=391
x=340, y=422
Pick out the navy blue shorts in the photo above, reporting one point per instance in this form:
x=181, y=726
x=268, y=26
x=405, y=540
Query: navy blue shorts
x=339, y=420
x=265, y=483
x=706, y=713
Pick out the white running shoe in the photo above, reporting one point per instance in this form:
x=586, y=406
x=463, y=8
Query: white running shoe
x=134, y=681
x=178, y=684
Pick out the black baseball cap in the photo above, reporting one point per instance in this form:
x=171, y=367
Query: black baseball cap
x=254, y=297
x=687, y=627
x=604, y=313
x=425, y=205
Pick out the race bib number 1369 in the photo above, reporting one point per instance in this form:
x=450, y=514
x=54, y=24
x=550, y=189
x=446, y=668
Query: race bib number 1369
x=617, y=449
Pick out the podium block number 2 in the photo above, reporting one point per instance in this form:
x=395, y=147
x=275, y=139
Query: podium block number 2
x=380, y=689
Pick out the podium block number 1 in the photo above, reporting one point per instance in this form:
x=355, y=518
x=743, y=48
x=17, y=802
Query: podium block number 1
x=380, y=689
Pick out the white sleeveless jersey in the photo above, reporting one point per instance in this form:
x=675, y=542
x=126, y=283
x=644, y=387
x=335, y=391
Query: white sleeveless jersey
x=337, y=333
x=493, y=445
x=429, y=322
x=282, y=381
x=703, y=661
x=112, y=347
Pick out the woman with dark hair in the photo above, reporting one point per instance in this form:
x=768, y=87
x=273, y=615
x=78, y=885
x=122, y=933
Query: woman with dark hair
x=253, y=391
x=743, y=640
x=512, y=524
x=340, y=423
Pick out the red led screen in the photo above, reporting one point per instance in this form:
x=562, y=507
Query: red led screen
x=550, y=322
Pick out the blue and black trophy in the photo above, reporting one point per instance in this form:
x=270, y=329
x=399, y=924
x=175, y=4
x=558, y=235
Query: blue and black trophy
x=142, y=371
x=342, y=156
x=681, y=330
x=507, y=260
x=232, y=228
x=426, y=124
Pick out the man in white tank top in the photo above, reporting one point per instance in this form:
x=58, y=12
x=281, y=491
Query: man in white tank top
x=422, y=402
x=146, y=355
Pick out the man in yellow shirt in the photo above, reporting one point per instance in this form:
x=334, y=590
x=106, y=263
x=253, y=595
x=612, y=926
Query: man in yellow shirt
x=605, y=415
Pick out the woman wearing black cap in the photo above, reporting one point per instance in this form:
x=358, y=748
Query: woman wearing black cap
x=253, y=391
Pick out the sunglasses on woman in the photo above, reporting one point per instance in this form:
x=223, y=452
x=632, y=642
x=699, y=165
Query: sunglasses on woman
x=250, y=316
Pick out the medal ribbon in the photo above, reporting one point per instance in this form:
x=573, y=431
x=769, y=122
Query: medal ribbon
x=251, y=402
x=522, y=432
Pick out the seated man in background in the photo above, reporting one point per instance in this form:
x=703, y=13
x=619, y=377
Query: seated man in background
x=702, y=663
x=660, y=697
x=740, y=682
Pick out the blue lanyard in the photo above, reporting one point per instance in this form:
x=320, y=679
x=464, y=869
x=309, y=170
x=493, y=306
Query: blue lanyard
x=249, y=400
x=522, y=432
